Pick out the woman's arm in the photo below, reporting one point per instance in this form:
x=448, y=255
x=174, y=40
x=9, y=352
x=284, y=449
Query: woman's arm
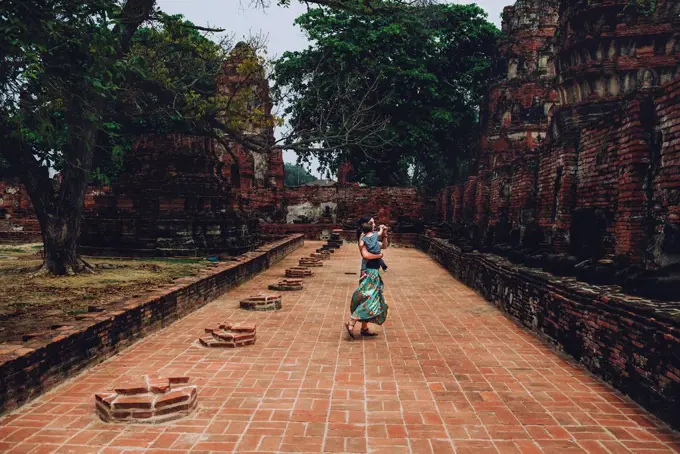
x=368, y=256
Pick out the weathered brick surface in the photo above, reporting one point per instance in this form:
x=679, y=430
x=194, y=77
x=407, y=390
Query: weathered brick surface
x=31, y=368
x=448, y=373
x=147, y=400
x=630, y=342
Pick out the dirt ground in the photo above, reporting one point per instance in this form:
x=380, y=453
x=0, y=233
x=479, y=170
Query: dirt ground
x=29, y=304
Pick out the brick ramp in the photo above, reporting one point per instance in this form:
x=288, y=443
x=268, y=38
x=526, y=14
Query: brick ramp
x=448, y=372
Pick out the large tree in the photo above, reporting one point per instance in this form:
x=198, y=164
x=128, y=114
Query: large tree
x=420, y=71
x=78, y=79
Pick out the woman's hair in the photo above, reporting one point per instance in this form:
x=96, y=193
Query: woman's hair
x=366, y=227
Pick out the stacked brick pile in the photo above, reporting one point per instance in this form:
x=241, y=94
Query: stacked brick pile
x=266, y=302
x=287, y=285
x=148, y=400
x=310, y=262
x=320, y=255
x=299, y=272
x=228, y=335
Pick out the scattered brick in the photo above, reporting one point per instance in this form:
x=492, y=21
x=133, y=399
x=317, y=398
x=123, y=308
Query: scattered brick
x=148, y=400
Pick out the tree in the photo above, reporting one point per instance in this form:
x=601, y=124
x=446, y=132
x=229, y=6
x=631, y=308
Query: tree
x=422, y=70
x=60, y=60
x=296, y=175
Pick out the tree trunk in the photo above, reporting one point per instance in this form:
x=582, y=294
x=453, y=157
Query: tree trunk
x=60, y=241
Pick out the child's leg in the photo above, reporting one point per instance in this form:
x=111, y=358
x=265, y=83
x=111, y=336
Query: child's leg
x=383, y=265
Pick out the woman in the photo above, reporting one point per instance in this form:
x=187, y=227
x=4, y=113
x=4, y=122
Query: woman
x=368, y=303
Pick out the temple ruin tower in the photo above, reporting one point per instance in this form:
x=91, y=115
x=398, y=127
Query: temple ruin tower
x=515, y=119
x=520, y=108
x=604, y=178
x=251, y=169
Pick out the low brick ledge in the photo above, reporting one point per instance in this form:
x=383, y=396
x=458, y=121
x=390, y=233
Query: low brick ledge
x=27, y=370
x=632, y=343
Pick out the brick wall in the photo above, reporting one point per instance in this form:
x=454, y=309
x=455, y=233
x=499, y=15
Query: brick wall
x=30, y=369
x=334, y=204
x=631, y=343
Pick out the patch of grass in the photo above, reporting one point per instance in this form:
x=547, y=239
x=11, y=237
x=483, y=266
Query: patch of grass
x=30, y=304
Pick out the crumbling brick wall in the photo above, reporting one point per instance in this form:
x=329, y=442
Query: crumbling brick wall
x=583, y=119
x=336, y=204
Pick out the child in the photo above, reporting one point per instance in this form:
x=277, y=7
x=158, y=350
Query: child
x=371, y=240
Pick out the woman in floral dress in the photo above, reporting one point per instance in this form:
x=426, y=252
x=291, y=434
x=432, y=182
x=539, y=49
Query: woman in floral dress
x=368, y=303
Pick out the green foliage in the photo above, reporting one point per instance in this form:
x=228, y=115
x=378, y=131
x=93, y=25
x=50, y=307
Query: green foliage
x=296, y=175
x=169, y=85
x=421, y=70
x=646, y=7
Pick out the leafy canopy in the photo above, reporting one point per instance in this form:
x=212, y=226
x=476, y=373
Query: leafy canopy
x=422, y=70
x=296, y=175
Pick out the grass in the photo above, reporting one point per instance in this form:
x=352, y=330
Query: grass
x=32, y=304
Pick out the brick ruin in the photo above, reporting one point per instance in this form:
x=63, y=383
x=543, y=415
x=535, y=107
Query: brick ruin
x=579, y=166
x=147, y=400
x=188, y=195
x=17, y=217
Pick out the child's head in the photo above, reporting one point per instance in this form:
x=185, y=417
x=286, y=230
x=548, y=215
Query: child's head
x=367, y=227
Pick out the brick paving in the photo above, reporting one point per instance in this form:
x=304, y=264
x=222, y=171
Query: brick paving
x=448, y=373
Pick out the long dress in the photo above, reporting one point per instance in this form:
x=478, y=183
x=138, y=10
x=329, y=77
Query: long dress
x=368, y=303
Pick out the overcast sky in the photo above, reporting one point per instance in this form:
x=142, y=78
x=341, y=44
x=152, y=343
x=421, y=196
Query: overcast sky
x=276, y=23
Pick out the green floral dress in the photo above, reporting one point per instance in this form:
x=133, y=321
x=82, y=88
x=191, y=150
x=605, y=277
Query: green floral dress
x=368, y=303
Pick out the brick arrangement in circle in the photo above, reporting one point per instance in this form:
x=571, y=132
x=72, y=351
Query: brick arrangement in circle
x=325, y=249
x=287, y=285
x=148, y=400
x=310, y=262
x=264, y=302
x=299, y=272
x=228, y=335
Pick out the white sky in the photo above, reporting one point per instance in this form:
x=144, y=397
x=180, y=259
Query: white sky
x=241, y=19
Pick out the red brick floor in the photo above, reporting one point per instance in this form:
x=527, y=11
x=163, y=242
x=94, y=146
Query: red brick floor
x=448, y=373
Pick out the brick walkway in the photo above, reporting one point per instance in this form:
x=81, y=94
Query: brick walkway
x=448, y=372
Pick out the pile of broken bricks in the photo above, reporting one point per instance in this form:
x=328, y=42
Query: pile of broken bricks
x=228, y=335
x=287, y=285
x=148, y=400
